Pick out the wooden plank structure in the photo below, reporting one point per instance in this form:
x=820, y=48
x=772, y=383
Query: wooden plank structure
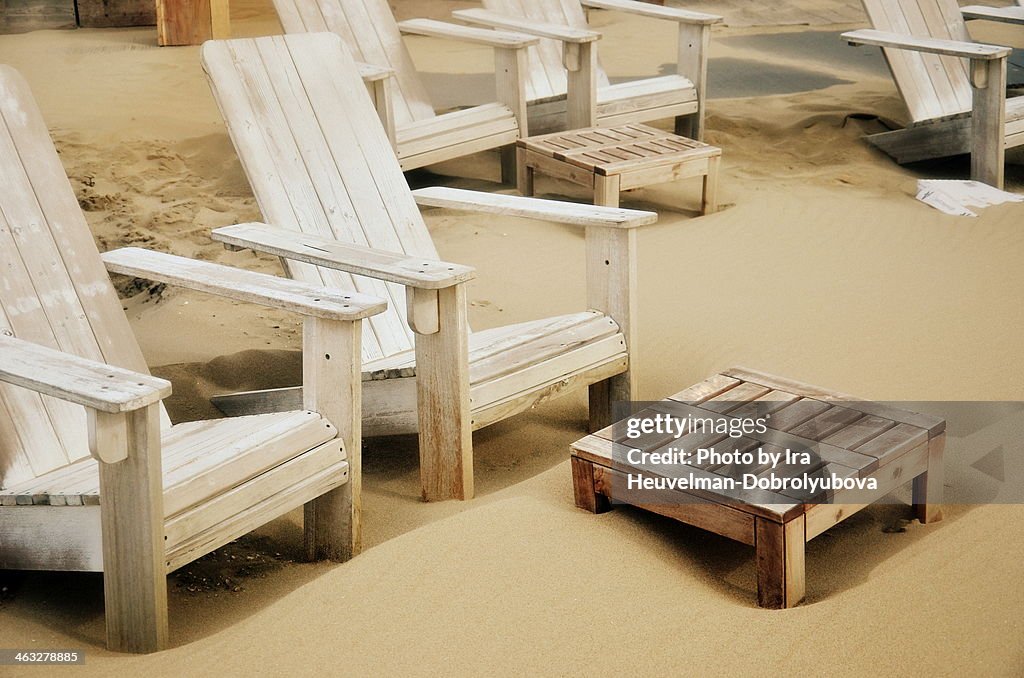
x=567, y=87
x=614, y=159
x=115, y=13
x=322, y=170
x=19, y=16
x=954, y=89
x=191, y=22
x=844, y=437
x=419, y=134
x=92, y=475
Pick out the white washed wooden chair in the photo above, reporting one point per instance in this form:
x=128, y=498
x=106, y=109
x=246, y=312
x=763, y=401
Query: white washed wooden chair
x=320, y=167
x=565, y=63
x=92, y=475
x=419, y=134
x=954, y=88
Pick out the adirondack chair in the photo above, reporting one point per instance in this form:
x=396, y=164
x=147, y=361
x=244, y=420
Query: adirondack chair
x=420, y=135
x=92, y=475
x=565, y=62
x=954, y=89
x=319, y=164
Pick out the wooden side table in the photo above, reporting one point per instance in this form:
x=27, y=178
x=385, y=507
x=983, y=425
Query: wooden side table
x=853, y=440
x=614, y=159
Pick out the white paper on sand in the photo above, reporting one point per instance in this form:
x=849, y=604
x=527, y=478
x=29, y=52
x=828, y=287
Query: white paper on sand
x=956, y=197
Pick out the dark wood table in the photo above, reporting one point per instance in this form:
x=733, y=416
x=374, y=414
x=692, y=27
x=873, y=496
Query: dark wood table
x=862, y=449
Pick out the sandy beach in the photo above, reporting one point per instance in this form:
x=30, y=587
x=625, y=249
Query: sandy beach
x=822, y=267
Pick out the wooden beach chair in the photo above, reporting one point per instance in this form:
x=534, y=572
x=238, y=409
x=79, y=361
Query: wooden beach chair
x=565, y=62
x=92, y=475
x=420, y=135
x=954, y=89
x=320, y=167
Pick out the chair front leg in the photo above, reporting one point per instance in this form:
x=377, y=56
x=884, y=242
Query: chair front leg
x=612, y=289
x=988, y=120
x=332, y=387
x=132, y=523
x=694, y=43
x=439, y=319
x=580, y=61
x=510, y=67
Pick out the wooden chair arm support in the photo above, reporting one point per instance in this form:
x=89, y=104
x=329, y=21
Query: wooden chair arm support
x=377, y=80
x=241, y=285
x=1010, y=15
x=682, y=16
x=541, y=30
x=969, y=50
x=112, y=396
x=470, y=34
x=373, y=263
x=372, y=73
x=533, y=208
x=78, y=380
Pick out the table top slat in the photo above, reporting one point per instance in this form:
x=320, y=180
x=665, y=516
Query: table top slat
x=894, y=442
x=859, y=432
x=827, y=423
x=934, y=425
x=797, y=413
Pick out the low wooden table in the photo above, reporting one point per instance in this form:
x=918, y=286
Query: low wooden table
x=614, y=159
x=851, y=439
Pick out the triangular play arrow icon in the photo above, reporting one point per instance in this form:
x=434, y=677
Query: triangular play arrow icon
x=992, y=464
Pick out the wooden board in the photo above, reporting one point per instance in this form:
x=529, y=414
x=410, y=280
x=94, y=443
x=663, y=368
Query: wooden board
x=191, y=22
x=19, y=16
x=115, y=13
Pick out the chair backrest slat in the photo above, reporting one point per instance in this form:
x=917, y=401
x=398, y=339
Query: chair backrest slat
x=546, y=72
x=932, y=85
x=54, y=289
x=318, y=159
x=371, y=34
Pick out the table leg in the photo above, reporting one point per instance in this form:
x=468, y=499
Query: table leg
x=927, y=494
x=524, y=174
x=606, y=190
x=583, y=487
x=509, y=169
x=710, y=196
x=780, y=562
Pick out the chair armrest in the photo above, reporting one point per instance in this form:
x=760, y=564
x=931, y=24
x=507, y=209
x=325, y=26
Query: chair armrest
x=471, y=34
x=969, y=50
x=374, y=263
x=241, y=285
x=78, y=380
x=654, y=11
x=1010, y=15
x=533, y=208
x=372, y=73
x=541, y=30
